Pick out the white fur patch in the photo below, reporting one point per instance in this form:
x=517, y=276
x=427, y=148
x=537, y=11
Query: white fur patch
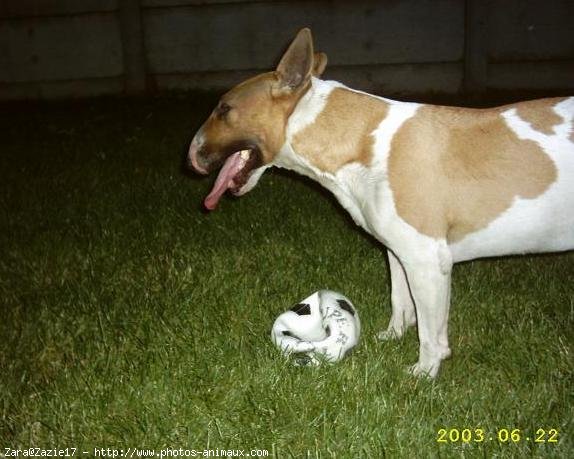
x=397, y=115
x=310, y=105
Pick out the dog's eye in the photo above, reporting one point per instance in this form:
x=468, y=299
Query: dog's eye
x=223, y=109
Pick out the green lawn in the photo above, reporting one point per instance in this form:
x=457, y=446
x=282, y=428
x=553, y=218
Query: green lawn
x=132, y=319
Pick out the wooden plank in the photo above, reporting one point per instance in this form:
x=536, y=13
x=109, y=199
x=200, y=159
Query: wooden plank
x=527, y=30
x=35, y=8
x=60, y=48
x=532, y=75
x=391, y=80
x=132, y=46
x=170, y=3
x=476, y=46
x=253, y=35
x=61, y=89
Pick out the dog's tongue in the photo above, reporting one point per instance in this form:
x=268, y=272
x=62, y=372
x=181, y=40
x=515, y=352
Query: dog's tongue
x=224, y=180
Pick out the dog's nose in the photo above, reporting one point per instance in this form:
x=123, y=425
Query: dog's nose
x=192, y=160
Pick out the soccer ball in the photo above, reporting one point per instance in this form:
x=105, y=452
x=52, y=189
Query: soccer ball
x=324, y=326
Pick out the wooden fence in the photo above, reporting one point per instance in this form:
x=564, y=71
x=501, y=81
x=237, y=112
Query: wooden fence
x=71, y=48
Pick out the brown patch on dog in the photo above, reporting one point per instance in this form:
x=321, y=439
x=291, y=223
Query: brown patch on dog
x=540, y=114
x=454, y=170
x=254, y=114
x=341, y=133
x=572, y=132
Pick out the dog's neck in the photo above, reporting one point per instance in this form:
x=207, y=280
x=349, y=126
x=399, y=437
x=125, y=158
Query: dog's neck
x=311, y=104
x=348, y=183
x=297, y=155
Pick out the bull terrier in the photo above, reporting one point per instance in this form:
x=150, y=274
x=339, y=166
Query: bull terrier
x=435, y=185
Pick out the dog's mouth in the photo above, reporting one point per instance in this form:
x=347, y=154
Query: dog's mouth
x=233, y=175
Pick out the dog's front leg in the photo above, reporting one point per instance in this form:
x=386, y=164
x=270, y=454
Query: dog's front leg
x=429, y=281
x=403, y=308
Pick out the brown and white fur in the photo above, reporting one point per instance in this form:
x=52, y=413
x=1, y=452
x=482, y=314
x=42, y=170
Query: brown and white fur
x=436, y=185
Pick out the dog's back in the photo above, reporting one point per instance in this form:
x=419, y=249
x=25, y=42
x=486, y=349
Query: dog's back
x=519, y=198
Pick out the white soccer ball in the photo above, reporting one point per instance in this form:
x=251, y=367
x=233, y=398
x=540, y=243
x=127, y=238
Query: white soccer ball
x=324, y=326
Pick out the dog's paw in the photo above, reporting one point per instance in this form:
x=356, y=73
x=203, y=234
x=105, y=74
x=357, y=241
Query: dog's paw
x=389, y=334
x=396, y=328
x=423, y=371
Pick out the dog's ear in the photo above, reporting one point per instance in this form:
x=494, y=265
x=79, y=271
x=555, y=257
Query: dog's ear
x=296, y=65
x=319, y=64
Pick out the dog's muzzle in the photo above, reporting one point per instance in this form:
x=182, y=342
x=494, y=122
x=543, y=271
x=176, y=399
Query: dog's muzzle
x=193, y=161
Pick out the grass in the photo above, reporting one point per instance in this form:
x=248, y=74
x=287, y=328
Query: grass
x=131, y=318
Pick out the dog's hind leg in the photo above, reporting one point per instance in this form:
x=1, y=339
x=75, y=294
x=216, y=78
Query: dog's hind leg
x=403, y=308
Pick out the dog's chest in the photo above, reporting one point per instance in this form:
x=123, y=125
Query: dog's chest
x=362, y=191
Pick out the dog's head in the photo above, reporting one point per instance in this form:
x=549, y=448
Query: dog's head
x=247, y=128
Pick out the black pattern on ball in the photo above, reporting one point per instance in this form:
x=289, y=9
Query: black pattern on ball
x=302, y=309
x=288, y=333
x=346, y=306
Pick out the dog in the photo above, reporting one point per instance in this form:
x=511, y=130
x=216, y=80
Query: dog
x=435, y=185
x=324, y=326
